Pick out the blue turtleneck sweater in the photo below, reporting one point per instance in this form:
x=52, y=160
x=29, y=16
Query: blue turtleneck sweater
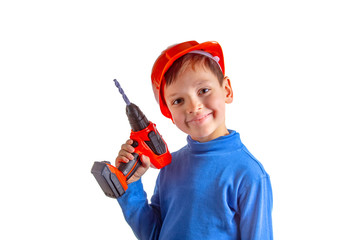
x=212, y=190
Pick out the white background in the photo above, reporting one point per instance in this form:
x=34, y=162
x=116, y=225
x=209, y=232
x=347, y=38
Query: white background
x=294, y=67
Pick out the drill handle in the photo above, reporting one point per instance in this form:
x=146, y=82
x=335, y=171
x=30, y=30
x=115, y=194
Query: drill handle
x=129, y=168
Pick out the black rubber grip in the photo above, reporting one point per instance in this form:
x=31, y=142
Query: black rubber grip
x=156, y=144
x=129, y=168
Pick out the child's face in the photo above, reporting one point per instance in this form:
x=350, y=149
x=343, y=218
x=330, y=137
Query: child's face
x=196, y=101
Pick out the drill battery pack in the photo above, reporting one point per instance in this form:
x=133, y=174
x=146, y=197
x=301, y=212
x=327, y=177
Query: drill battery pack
x=110, y=182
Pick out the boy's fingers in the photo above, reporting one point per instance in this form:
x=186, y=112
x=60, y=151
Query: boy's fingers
x=123, y=157
x=127, y=147
x=120, y=159
x=126, y=154
x=141, y=170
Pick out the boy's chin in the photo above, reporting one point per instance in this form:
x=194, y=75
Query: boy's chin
x=203, y=137
x=206, y=135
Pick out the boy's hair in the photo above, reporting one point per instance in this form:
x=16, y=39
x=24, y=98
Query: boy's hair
x=192, y=60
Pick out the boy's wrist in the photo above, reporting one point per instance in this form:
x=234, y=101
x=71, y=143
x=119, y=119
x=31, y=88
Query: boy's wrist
x=135, y=189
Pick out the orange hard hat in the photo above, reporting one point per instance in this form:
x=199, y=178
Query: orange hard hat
x=166, y=59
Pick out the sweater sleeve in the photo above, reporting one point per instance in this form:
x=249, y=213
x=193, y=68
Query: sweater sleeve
x=255, y=206
x=143, y=218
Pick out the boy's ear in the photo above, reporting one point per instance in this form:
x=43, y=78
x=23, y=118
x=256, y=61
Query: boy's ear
x=228, y=90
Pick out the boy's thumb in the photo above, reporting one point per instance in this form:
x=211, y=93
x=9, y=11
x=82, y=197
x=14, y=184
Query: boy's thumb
x=145, y=160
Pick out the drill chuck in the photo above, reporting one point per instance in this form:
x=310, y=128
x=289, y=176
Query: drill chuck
x=137, y=119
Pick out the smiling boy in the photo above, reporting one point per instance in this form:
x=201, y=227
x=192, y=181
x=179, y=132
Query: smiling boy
x=196, y=101
x=214, y=188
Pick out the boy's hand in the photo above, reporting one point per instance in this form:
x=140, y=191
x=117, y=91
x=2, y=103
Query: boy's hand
x=125, y=155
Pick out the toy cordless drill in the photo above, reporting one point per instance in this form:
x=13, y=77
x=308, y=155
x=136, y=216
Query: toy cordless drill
x=146, y=140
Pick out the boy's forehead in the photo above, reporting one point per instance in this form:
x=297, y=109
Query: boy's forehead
x=190, y=78
x=194, y=67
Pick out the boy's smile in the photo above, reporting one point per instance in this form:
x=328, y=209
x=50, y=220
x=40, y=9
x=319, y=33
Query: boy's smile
x=196, y=101
x=197, y=120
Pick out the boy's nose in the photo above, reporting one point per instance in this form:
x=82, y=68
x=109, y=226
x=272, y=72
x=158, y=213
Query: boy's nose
x=194, y=105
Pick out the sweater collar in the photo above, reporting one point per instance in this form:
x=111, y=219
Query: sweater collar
x=222, y=144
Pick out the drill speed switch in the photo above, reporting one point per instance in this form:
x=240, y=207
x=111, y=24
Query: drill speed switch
x=146, y=141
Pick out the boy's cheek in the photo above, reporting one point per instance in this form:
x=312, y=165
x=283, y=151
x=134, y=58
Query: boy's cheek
x=177, y=118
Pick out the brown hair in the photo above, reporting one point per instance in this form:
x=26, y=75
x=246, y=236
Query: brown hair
x=192, y=60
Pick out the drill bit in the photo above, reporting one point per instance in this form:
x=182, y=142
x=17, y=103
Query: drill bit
x=117, y=84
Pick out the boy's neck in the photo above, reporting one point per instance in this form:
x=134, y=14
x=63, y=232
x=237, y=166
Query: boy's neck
x=218, y=133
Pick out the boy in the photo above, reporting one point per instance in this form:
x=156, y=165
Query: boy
x=214, y=188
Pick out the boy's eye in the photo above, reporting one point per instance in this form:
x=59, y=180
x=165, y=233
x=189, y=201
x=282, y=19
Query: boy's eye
x=204, y=90
x=177, y=101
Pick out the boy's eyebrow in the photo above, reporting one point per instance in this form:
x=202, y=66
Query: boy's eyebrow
x=199, y=82
x=172, y=95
